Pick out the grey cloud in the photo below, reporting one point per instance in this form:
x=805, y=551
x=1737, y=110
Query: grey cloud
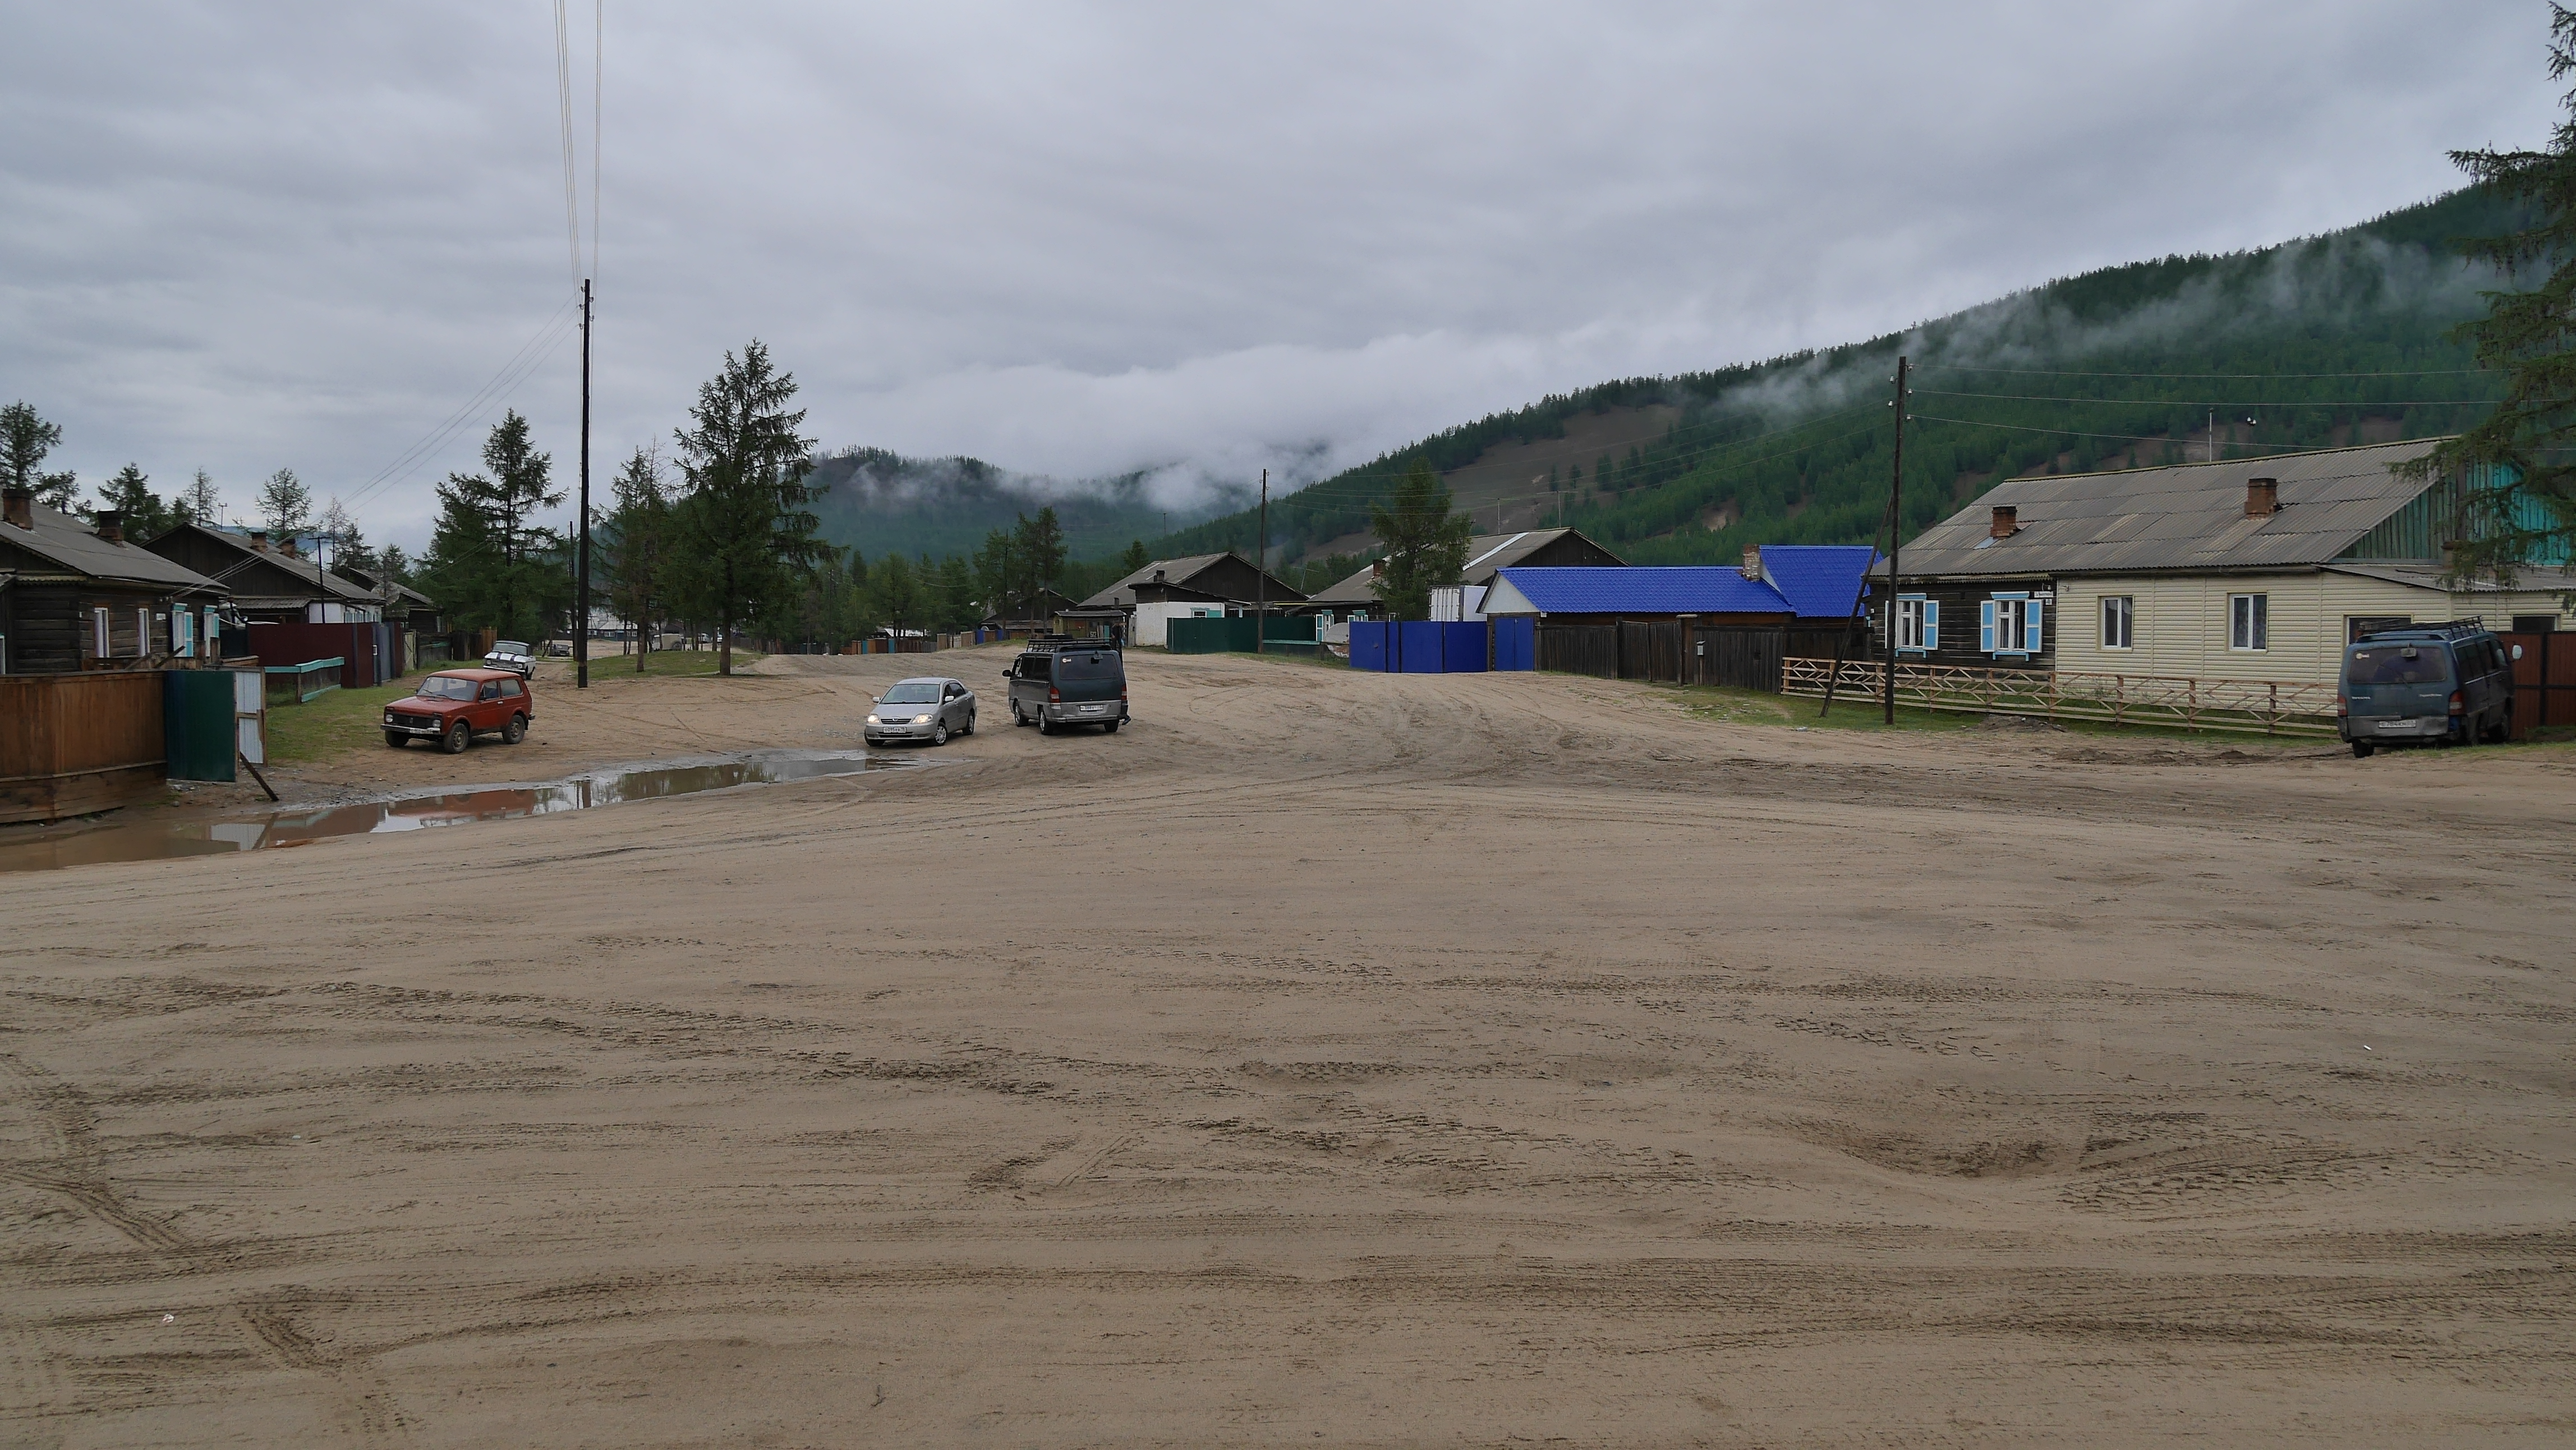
x=1084, y=240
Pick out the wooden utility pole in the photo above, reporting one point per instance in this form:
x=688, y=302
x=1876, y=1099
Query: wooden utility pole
x=1895, y=544
x=1261, y=571
x=581, y=549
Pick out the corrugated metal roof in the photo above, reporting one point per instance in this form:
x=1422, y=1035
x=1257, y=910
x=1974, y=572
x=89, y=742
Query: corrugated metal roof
x=303, y=570
x=1820, y=581
x=70, y=544
x=1175, y=572
x=1485, y=554
x=2191, y=516
x=1629, y=589
x=2537, y=580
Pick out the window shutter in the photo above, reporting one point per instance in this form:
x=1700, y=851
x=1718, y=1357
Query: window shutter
x=1986, y=626
x=2032, y=634
x=1931, y=624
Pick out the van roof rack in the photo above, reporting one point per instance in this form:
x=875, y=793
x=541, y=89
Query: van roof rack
x=2447, y=629
x=1069, y=641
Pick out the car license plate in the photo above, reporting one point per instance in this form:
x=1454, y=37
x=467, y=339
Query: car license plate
x=1093, y=709
x=2396, y=724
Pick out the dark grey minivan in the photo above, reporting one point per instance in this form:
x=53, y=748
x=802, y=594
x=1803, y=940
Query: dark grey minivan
x=1059, y=682
x=2437, y=684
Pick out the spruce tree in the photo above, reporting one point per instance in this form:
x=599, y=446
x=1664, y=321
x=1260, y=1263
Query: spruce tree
x=2521, y=499
x=129, y=492
x=636, y=552
x=489, y=563
x=1426, y=544
x=747, y=538
x=25, y=439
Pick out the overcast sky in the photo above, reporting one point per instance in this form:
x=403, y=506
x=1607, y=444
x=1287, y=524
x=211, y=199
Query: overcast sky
x=1082, y=239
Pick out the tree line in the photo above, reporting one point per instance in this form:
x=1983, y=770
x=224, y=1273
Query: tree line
x=282, y=503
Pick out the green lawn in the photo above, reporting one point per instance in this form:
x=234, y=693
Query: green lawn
x=341, y=720
x=672, y=662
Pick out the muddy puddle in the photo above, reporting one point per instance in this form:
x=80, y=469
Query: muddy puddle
x=160, y=839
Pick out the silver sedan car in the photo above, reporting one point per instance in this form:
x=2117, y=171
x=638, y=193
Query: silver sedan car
x=922, y=708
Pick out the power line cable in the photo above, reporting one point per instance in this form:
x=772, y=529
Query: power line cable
x=563, y=104
x=598, y=40
x=2217, y=403
x=2122, y=437
x=2072, y=373
x=500, y=385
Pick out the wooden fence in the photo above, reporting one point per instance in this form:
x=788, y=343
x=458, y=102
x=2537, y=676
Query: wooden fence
x=2268, y=707
x=1746, y=656
x=77, y=743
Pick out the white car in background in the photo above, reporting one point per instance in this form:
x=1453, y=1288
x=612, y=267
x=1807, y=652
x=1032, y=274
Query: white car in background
x=512, y=655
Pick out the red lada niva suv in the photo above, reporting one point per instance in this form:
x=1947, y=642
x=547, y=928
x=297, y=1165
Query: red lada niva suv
x=453, y=706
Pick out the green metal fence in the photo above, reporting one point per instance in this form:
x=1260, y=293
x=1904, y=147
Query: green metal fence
x=1234, y=635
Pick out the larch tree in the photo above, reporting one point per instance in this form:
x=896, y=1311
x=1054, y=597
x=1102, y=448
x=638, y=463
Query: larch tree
x=199, y=502
x=348, y=542
x=285, y=504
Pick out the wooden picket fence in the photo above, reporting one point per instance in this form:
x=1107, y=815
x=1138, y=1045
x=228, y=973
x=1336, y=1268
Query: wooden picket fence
x=2267, y=707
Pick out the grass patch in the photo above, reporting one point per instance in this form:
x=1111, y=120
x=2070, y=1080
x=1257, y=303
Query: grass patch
x=1753, y=707
x=671, y=663
x=333, y=724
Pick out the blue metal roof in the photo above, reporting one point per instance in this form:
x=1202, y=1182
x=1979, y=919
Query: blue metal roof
x=1820, y=580
x=1591, y=589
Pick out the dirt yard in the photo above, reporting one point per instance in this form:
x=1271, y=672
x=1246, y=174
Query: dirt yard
x=1328, y=1059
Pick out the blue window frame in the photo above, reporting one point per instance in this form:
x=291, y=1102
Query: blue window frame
x=2012, y=626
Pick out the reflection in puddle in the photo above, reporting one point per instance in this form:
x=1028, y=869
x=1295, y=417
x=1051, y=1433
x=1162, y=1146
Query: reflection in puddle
x=294, y=826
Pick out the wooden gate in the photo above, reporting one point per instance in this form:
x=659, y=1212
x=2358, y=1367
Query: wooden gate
x=1651, y=652
x=2544, y=680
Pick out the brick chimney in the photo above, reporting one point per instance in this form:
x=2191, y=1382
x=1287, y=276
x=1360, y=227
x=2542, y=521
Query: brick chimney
x=259, y=540
x=18, y=507
x=109, y=524
x=2007, y=522
x=286, y=546
x=1753, y=561
x=2262, y=497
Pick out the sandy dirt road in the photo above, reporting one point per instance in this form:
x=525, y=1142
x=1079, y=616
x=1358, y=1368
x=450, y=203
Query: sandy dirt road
x=1325, y=1060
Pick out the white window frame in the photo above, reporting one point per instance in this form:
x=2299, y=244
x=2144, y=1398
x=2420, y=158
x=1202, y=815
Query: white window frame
x=101, y=640
x=2012, y=626
x=2249, y=623
x=1918, y=624
x=2119, y=621
x=143, y=632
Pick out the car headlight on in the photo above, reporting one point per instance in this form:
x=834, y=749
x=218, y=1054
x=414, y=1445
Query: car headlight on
x=873, y=720
x=389, y=717
x=920, y=719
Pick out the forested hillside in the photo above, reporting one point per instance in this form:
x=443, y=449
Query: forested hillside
x=884, y=503
x=2326, y=340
